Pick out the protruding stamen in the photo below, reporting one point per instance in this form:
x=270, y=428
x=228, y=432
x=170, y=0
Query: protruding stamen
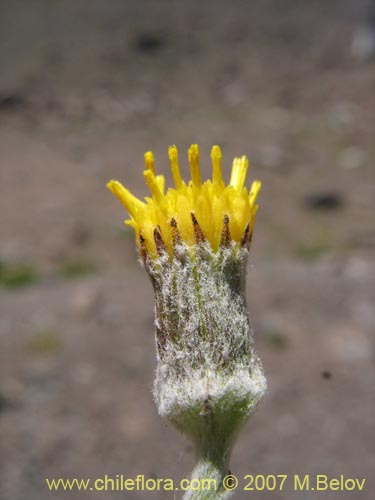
x=216, y=157
x=176, y=236
x=195, y=171
x=225, y=233
x=239, y=170
x=199, y=235
x=130, y=202
x=173, y=158
x=149, y=161
x=153, y=185
x=159, y=243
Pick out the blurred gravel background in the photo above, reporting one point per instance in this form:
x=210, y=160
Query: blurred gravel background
x=85, y=89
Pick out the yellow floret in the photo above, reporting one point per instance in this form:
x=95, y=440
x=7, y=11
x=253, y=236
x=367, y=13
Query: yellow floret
x=197, y=209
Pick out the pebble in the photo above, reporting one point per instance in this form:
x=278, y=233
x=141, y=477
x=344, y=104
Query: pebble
x=363, y=44
x=234, y=93
x=271, y=156
x=85, y=300
x=351, y=157
x=348, y=344
x=324, y=201
x=276, y=118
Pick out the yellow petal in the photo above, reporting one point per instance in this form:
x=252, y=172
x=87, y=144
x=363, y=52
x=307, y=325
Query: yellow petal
x=239, y=170
x=153, y=185
x=254, y=191
x=131, y=203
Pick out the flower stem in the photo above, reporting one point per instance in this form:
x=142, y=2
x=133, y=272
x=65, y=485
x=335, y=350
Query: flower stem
x=206, y=479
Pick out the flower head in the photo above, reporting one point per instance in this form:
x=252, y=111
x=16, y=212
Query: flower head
x=194, y=240
x=193, y=212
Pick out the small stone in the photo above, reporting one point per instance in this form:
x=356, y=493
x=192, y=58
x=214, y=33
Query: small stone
x=10, y=102
x=86, y=300
x=325, y=201
x=80, y=234
x=84, y=373
x=343, y=113
x=3, y=402
x=271, y=156
x=276, y=118
x=363, y=45
x=351, y=157
x=326, y=375
x=149, y=43
x=234, y=93
x=350, y=344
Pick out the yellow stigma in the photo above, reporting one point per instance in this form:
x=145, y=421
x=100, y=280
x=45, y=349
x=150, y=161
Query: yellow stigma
x=209, y=212
x=195, y=171
x=173, y=158
x=216, y=157
x=149, y=161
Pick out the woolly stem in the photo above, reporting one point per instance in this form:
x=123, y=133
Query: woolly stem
x=208, y=475
x=208, y=379
x=213, y=423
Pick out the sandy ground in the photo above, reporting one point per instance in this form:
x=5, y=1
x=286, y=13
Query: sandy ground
x=85, y=89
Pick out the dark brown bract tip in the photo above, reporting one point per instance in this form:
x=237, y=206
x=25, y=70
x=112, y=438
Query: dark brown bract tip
x=143, y=249
x=246, y=237
x=225, y=233
x=176, y=236
x=199, y=235
x=159, y=243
